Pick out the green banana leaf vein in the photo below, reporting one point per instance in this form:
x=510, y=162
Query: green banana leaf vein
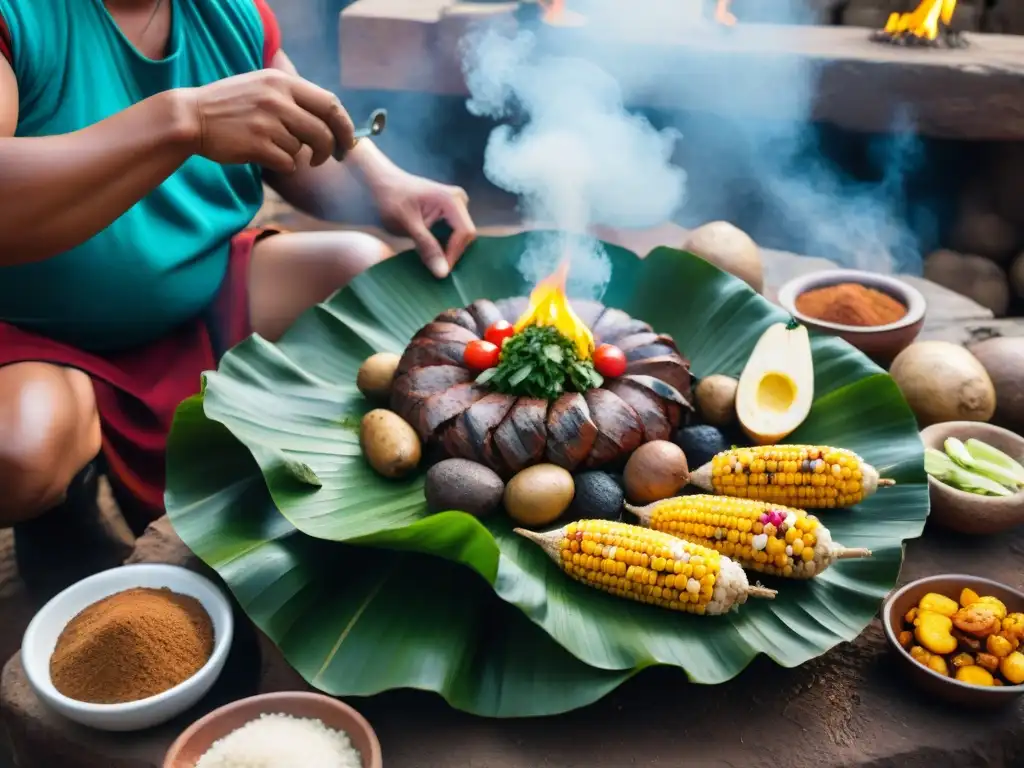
x=327, y=557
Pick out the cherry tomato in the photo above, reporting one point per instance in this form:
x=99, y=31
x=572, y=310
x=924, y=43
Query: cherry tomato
x=498, y=332
x=481, y=355
x=609, y=361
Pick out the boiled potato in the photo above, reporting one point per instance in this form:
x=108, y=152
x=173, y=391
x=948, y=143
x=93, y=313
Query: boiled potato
x=539, y=495
x=1003, y=359
x=942, y=381
x=730, y=249
x=716, y=399
x=389, y=443
x=376, y=375
x=655, y=471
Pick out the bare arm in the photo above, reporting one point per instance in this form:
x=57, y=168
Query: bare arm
x=329, y=190
x=59, y=191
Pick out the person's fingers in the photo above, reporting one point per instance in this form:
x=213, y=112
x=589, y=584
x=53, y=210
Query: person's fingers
x=326, y=106
x=428, y=248
x=311, y=131
x=457, y=215
x=285, y=139
x=273, y=158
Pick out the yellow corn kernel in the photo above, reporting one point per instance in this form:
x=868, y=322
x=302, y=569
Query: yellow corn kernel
x=996, y=604
x=761, y=528
x=988, y=661
x=937, y=603
x=919, y=654
x=806, y=476
x=1012, y=668
x=910, y=615
x=906, y=638
x=647, y=566
x=963, y=659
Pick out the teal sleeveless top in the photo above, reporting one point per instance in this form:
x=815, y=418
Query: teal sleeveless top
x=162, y=262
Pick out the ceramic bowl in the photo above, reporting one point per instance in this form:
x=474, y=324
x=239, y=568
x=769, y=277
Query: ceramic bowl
x=41, y=638
x=968, y=512
x=200, y=736
x=947, y=688
x=881, y=342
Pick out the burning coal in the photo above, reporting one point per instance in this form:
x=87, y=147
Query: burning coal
x=928, y=24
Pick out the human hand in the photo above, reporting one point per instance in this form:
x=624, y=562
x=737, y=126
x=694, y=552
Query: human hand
x=410, y=205
x=267, y=117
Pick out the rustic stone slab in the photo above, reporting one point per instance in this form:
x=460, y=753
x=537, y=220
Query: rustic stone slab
x=851, y=707
x=975, y=93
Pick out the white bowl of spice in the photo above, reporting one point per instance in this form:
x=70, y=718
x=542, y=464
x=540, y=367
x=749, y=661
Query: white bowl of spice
x=878, y=314
x=129, y=648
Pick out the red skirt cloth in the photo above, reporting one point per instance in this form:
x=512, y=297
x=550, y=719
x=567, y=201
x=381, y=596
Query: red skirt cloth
x=137, y=391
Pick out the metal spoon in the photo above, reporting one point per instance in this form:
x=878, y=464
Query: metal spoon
x=374, y=124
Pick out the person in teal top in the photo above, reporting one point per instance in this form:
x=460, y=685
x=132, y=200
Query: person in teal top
x=135, y=139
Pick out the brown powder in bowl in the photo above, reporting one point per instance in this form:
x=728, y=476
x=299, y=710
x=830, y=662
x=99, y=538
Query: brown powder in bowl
x=850, y=304
x=130, y=646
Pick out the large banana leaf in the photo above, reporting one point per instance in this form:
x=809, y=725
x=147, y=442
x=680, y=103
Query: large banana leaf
x=295, y=407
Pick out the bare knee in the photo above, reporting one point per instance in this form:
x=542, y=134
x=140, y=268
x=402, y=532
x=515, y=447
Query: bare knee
x=49, y=431
x=292, y=272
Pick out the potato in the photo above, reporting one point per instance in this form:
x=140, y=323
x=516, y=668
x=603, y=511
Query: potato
x=716, y=399
x=944, y=382
x=464, y=485
x=985, y=233
x=730, y=249
x=389, y=443
x=655, y=471
x=376, y=375
x=1003, y=360
x=539, y=495
x=972, y=276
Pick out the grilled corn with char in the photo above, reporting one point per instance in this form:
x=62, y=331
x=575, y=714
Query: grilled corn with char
x=770, y=538
x=806, y=476
x=647, y=566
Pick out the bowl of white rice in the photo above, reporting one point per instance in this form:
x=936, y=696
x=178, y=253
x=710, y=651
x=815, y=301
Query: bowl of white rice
x=278, y=730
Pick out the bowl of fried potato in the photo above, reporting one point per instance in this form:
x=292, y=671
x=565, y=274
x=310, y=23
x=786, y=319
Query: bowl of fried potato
x=959, y=637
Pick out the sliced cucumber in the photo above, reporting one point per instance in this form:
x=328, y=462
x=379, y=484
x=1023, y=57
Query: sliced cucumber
x=985, y=452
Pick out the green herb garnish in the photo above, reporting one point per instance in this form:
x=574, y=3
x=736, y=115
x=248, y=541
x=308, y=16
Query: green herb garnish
x=540, y=362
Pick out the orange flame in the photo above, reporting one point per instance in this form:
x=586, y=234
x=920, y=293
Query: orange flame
x=923, y=21
x=557, y=15
x=550, y=306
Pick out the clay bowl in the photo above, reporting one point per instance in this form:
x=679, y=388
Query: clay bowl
x=200, y=736
x=881, y=342
x=967, y=512
x=947, y=688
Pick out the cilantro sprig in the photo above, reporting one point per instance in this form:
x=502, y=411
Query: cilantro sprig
x=540, y=362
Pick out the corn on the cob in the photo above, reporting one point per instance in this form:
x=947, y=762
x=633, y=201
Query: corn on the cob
x=808, y=476
x=770, y=538
x=647, y=566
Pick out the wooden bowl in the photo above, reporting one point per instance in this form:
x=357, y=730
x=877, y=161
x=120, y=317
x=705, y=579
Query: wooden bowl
x=200, y=736
x=947, y=688
x=881, y=343
x=968, y=512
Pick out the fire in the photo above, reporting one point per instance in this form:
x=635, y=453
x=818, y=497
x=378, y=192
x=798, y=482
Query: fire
x=550, y=306
x=923, y=21
x=557, y=15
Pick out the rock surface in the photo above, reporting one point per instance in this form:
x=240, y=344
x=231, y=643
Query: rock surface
x=851, y=707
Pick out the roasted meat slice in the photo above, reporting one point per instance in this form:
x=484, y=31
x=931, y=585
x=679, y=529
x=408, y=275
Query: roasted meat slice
x=511, y=309
x=423, y=352
x=430, y=414
x=485, y=313
x=412, y=388
x=441, y=331
x=459, y=316
x=619, y=430
x=522, y=434
x=639, y=346
x=614, y=324
x=647, y=407
x=671, y=369
x=672, y=403
x=571, y=432
x=469, y=435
